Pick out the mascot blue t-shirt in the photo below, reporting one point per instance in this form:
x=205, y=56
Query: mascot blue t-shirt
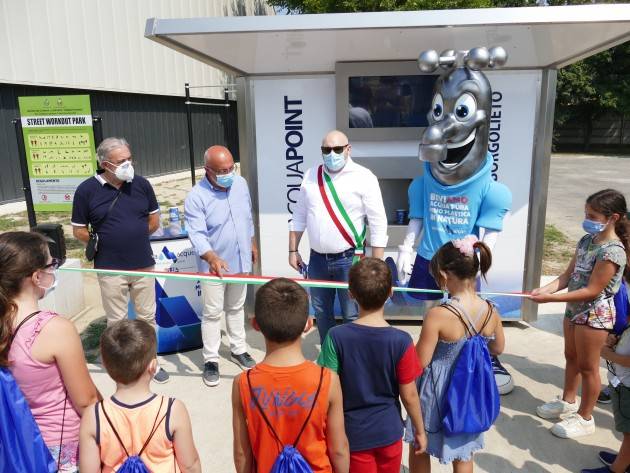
x=454, y=211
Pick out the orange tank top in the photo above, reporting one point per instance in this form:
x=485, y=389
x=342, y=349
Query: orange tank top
x=134, y=425
x=286, y=395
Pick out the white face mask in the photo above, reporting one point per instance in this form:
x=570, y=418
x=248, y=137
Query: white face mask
x=124, y=171
x=51, y=288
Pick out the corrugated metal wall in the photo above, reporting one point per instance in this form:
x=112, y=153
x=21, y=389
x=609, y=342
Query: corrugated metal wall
x=100, y=44
x=155, y=127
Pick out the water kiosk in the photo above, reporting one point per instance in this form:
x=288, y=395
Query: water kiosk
x=300, y=76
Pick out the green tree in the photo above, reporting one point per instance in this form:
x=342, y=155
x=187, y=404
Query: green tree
x=597, y=86
x=353, y=6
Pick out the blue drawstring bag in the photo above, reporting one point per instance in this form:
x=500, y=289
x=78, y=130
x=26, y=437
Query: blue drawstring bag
x=471, y=401
x=289, y=460
x=133, y=463
x=621, y=309
x=22, y=447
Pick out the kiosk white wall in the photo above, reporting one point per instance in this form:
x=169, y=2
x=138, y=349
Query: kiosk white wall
x=288, y=97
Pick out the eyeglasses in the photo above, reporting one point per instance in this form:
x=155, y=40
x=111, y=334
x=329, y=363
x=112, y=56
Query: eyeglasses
x=336, y=149
x=220, y=172
x=120, y=163
x=54, y=264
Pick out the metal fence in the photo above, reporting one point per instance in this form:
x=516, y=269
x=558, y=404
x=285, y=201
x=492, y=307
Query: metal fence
x=155, y=127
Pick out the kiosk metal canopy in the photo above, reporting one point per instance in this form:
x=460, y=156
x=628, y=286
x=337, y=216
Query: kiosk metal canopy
x=534, y=37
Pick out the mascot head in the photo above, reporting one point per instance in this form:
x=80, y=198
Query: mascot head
x=456, y=141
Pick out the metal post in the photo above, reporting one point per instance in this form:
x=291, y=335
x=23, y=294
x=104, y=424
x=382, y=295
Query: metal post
x=539, y=187
x=190, y=133
x=97, y=126
x=26, y=183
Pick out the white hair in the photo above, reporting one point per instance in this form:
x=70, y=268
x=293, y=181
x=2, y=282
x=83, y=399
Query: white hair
x=108, y=145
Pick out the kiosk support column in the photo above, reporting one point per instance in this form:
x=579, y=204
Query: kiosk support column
x=190, y=133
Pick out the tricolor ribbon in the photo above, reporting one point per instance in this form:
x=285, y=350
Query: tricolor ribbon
x=256, y=280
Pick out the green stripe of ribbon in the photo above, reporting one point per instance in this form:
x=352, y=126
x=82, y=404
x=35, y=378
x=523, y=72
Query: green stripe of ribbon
x=256, y=281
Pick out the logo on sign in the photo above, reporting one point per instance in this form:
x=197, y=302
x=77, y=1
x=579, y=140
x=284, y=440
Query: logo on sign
x=66, y=197
x=44, y=197
x=168, y=254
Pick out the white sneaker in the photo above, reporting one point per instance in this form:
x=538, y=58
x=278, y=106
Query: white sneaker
x=573, y=426
x=556, y=409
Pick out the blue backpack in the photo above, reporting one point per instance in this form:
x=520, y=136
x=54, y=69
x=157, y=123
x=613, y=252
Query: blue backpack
x=289, y=459
x=471, y=401
x=133, y=463
x=22, y=447
x=621, y=309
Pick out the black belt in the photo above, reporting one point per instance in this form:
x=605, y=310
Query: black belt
x=344, y=254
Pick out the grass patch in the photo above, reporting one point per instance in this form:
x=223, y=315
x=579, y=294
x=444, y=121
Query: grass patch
x=91, y=339
x=557, y=250
x=8, y=223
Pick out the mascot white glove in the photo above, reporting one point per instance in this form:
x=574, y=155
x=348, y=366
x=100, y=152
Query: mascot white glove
x=404, y=262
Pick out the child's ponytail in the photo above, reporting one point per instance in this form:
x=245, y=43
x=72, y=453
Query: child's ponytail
x=609, y=202
x=465, y=258
x=485, y=258
x=622, y=229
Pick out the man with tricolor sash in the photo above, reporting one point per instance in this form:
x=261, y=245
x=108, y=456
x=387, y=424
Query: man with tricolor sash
x=338, y=200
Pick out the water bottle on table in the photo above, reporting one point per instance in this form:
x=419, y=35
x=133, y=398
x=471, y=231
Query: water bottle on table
x=175, y=226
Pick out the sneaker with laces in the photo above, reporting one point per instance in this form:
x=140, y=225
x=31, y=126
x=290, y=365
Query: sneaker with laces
x=573, y=426
x=211, y=373
x=244, y=360
x=604, y=396
x=502, y=377
x=556, y=409
x=161, y=376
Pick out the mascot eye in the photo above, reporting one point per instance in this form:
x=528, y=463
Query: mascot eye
x=438, y=107
x=465, y=107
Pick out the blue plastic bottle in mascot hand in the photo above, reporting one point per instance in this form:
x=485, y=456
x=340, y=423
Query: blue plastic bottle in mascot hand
x=456, y=195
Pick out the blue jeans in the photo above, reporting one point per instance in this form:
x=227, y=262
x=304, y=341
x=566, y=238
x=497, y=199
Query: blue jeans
x=334, y=268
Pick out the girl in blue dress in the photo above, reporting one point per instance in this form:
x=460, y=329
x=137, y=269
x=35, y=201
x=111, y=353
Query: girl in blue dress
x=455, y=267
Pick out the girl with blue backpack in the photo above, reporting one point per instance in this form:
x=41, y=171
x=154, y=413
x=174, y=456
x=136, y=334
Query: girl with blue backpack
x=592, y=278
x=458, y=395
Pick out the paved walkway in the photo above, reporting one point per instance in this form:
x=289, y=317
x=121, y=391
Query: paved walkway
x=573, y=177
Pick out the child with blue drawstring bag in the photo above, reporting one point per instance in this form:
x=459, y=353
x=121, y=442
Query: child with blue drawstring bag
x=459, y=398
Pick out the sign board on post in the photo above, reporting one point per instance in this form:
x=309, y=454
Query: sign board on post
x=59, y=145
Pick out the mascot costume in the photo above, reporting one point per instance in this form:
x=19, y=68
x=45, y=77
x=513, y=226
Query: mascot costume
x=456, y=196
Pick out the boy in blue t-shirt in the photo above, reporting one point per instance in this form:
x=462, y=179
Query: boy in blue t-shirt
x=378, y=366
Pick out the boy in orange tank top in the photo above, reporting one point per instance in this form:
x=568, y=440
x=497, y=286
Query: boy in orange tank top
x=285, y=399
x=135, y=421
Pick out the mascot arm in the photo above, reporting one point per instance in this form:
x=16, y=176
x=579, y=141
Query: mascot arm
x=406, y=254
x=490, y=238
x=495, y=206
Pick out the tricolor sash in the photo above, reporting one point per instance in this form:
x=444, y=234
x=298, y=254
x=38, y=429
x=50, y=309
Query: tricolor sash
x=356, y=241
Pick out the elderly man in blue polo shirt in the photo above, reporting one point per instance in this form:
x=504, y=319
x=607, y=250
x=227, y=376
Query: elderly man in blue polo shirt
x=121, y=208
x=221, y=228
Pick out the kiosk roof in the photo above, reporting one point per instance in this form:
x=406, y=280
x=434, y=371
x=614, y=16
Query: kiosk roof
x=534, y=37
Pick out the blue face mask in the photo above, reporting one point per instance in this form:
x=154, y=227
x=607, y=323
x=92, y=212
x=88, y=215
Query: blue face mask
x=225, y=180
x=334, y=161
x=592, y=227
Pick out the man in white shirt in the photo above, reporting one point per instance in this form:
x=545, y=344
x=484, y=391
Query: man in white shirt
x=335, y=200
